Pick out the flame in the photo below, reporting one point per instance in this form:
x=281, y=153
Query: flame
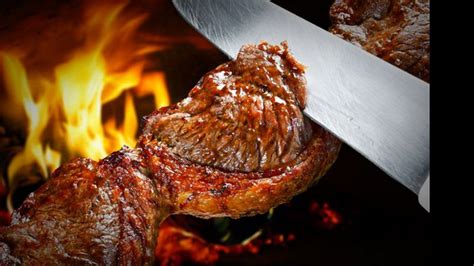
x=61, y=108
x=35, y=150
x=155, y=83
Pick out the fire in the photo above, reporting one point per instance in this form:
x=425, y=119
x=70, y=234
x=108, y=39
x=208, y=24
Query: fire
x=35, y=150
x=61, y=108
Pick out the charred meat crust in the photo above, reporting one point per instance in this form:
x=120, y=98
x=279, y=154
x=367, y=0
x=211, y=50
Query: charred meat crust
x=245, y=115
x=207, y=192
x=239, y=144
x=88, y=213
x=397, y=31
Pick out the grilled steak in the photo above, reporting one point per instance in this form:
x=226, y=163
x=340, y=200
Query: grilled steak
x=394, y=30
x=88, y=213
x=238, y=145
x=243, y=116
x=205, y=191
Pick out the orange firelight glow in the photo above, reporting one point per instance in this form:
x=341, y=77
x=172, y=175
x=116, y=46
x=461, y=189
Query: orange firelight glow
x=62, y=108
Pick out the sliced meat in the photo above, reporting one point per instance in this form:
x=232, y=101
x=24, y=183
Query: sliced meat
x=397, y=31
x=245, y=115
x=239, y=143
x=205, y=191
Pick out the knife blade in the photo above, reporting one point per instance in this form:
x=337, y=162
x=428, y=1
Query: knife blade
x=374, y=107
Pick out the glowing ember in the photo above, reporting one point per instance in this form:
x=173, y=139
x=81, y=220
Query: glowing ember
x=177, y=245
x=328, y=218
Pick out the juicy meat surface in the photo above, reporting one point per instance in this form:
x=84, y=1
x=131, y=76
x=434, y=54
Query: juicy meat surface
x=397, y=31
x=237, y=146
x=88, y=213
x=205, y=191
x=245, y=115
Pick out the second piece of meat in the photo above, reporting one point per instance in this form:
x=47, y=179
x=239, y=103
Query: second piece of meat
x=397, y=31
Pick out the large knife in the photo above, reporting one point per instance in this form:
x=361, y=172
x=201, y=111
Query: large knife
x=374, y=107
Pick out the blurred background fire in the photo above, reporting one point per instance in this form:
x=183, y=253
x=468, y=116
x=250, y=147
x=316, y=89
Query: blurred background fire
x=75, y=79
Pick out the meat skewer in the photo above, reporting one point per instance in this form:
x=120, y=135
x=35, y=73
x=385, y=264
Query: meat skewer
x=238, y=145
